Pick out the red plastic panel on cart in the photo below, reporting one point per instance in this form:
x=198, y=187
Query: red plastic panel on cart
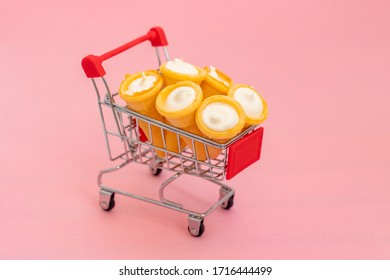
x=142, y=136
x=244, y=152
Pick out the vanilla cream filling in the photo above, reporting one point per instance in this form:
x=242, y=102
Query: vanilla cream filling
x=219, y=116
x=213, y=73
x=180, y=98
x=141, y=84
x=250, y=101
x=179, y=66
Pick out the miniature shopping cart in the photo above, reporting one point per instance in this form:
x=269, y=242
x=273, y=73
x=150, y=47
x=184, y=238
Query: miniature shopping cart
x=236, y=155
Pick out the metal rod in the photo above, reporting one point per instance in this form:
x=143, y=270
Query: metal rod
x=177, y=130
x=164, y=185
x=158, y=56
x=166, y=53
x=108, y=148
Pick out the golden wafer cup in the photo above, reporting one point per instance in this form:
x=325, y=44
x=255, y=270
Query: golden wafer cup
x=253, y=93
x=172, y=77
x=183, y=118
x=213, y=86
x=220, y=136
x=144, y=102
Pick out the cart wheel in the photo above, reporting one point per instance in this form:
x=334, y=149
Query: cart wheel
x=229, y=203
x=107, y=201
x=196, y=227
x=111, y=205
x=155, y=171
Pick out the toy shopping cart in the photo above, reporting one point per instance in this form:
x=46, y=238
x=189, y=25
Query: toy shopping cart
x=236, y=155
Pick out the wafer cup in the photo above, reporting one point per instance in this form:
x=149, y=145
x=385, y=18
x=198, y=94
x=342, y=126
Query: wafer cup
x=220, y=135
x=172, y=77
x=215, y=83
x=144, y=102
x=254, y=105
x=184, y=117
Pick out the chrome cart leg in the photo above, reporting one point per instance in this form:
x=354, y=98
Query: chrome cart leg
x=224, y=191
x=106, y=200
x=195, y=225
x=163, y=186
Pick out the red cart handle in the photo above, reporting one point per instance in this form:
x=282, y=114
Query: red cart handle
x=92, y=64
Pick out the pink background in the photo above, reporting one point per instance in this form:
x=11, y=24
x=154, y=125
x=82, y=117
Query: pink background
x=320, y=191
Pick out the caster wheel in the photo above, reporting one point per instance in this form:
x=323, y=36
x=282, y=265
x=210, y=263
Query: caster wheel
x=197, y=232
x=111, y=205
x=107, y=201
x=229, y=203
x=155, y=171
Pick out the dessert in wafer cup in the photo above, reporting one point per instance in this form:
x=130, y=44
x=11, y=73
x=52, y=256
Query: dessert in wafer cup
x=139, y=91
x=178, y=104
x=255, y=107
x=215, y=82
x=220, y=118
x=177, y=70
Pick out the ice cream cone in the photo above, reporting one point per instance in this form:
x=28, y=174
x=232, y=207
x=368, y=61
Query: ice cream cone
x=178, y=104
x=215, y=83
x=254, y=105
x=177, y=70
x=220, y=118
x=140, y=92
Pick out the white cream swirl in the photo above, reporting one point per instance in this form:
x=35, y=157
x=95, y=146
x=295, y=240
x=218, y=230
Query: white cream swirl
x=179, y=66
x=141, y=84
x=180, y=98
x=213, y=73
x=250, y=101
x=219, y=116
